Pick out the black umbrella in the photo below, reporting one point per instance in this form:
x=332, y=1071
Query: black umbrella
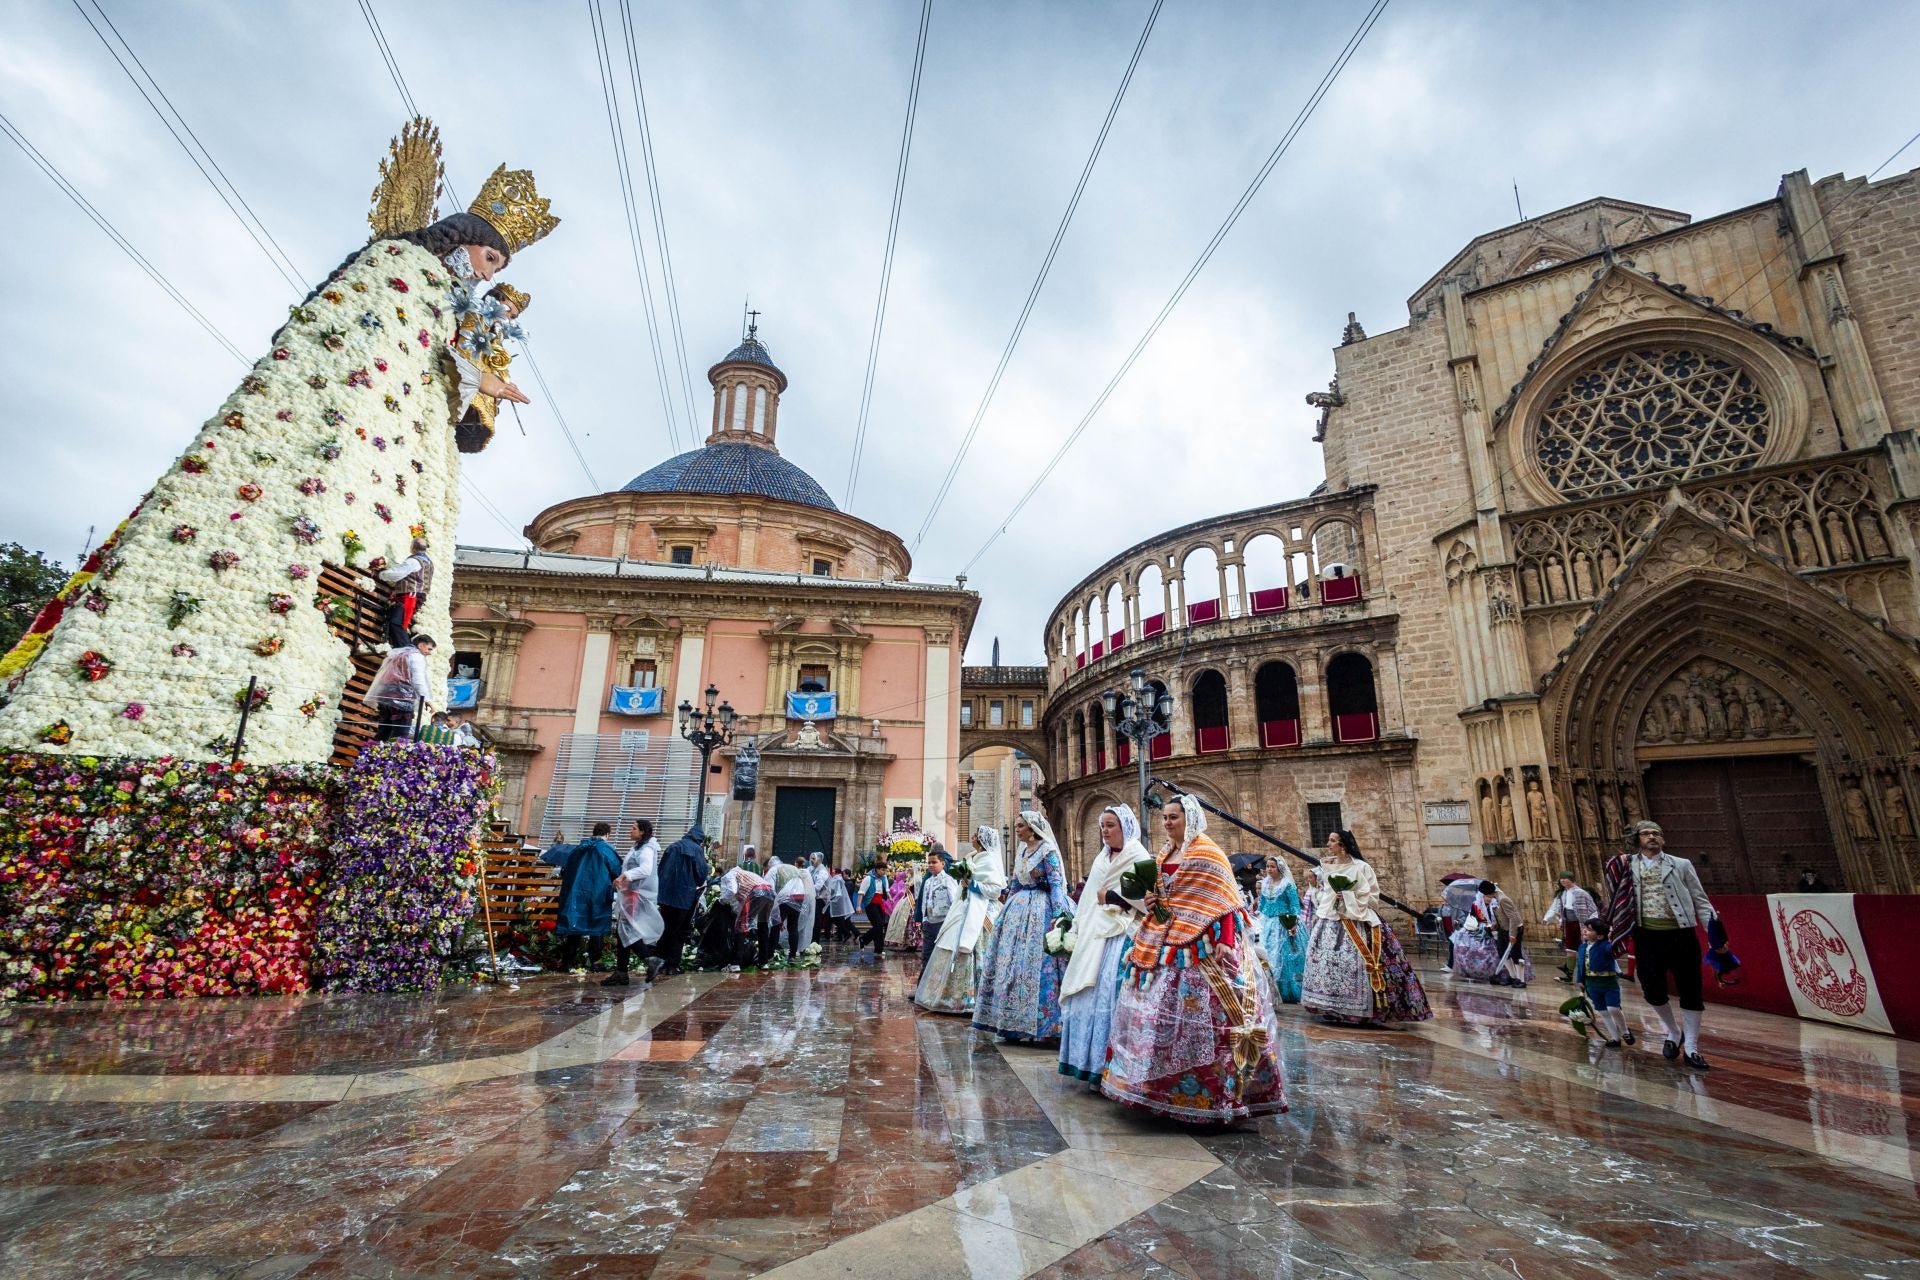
x=1244, y=862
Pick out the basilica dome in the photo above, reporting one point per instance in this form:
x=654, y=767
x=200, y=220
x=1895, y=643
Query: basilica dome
x=732, y=467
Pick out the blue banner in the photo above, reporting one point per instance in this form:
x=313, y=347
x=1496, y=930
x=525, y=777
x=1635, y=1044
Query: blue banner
x=812, y=706
x=634, y=702
x=462, y=693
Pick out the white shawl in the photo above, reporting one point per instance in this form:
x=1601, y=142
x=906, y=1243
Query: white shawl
x=968, y=918
x=1094, y=918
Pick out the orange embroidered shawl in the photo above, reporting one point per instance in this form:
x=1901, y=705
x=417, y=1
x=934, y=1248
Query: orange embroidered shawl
x=1200, y=893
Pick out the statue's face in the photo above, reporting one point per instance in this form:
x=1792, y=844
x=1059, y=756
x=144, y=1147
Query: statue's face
x=486, y=260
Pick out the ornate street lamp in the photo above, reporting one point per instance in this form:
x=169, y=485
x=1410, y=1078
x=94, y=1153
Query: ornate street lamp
x=1139, y=716
x=706, y=730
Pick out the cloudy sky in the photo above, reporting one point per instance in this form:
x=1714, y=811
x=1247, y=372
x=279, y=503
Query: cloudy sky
x=776, y=127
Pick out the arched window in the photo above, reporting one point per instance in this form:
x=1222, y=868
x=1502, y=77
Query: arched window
x=1336, y=556
x=1210, y=713
x=1351, y=699
x=1161, y=745
x=1651, y=415
x=1265, y=573
x=1201, y=586
x=1079, y=638
x=1276, y=701
x=1079, y=745
x=1153, y=601
x=1116, y=618
x=1096, y=633
x=1097, y=731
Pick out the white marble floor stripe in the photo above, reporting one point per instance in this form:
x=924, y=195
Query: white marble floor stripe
x=584, y=1044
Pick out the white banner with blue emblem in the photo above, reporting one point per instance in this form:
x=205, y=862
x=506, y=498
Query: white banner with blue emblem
x=634, y=702
x=812, y=706
x=462, y=693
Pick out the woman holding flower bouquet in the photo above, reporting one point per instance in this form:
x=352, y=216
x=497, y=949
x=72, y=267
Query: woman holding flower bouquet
x=1019, y=994
x=1092, y=981
x=1356, y=972
x=947, y=980
x=1194, y=1036
x=1280, y=936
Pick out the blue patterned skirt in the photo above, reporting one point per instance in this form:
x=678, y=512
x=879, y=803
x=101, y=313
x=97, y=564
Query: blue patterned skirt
x=1086, y=1017
x=1019, y=984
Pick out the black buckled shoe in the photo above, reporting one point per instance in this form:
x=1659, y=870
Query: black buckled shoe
x=1669, y=1050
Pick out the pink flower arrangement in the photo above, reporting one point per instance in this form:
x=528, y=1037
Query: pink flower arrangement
x=133, y=710
x=221, y=561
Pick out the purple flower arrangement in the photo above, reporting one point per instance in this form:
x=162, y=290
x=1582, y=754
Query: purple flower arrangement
x=406, y=866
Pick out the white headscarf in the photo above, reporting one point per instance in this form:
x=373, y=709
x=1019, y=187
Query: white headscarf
x=968, y=918
x=1042, y=832
x=1286, y=876
x=1094, y=920
x=1196, y=817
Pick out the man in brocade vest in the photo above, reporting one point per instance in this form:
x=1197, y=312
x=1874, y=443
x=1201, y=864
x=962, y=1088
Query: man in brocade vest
x=407, y=585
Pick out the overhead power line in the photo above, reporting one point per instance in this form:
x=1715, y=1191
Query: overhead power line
x=99, y=219
x=1206, y=254
x=1039, y=280
x=886, y=263
x=554, y=405
x=660, y=224
x=248, y=221
x=630, y=203
x=386, y=56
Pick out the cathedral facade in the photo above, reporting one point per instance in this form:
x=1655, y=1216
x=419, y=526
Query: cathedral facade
x=725, y=569
x=1645, y=503
x=1630, y=502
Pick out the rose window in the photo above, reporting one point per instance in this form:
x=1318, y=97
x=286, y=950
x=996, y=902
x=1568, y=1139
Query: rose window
x=1650, y=415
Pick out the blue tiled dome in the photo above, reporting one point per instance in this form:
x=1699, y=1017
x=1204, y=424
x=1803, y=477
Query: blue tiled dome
x=753, y=351
x=729, y=468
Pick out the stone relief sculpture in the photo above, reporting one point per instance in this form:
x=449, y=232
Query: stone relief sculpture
x=1709, y=701
x=1609, y=811
x=1507, y=830
x=1583, y=806
x=1489, y=815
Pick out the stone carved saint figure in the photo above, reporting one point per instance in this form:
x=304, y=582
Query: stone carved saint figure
x=1583, y=806
x=1873, y=541
x=1837, y=540
x=1736, y=712
x=1489, y=814
x=1609, y=810
x=1507, y=829
x=1893, y=801
x=1806, y=553
x=1630, y=801
x=1537, y=817
x=1859, y=816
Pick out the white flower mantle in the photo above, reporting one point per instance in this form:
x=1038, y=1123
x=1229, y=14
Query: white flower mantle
x=375, y=341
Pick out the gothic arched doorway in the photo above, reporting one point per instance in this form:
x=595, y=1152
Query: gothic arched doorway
x=1766, y=725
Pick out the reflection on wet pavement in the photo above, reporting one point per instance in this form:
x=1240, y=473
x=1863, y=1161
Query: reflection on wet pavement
x=813, y=1124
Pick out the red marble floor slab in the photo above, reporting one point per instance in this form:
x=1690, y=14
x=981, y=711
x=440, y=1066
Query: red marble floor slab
x=659, y=1051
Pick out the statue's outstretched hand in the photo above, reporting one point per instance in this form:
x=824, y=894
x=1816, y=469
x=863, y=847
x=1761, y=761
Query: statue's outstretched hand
x=492, y=384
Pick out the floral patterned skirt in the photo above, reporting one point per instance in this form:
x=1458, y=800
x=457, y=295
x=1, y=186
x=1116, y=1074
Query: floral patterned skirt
x=1086, y=1017
x=1019, y=991
x=1476, y=956
x=946, y=985
x=1287, y=955
x=1172, y=1044
x=1336, y=983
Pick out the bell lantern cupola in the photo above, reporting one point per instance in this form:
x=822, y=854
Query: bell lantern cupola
x=746, y=393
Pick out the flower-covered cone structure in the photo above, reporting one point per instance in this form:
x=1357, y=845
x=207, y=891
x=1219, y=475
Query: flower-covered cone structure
x=338, y=445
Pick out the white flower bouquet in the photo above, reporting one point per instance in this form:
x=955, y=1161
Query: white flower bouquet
x=1059, y=939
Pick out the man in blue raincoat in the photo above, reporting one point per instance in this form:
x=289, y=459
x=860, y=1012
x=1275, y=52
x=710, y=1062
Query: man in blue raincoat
x=683, y=874
x=586, y=897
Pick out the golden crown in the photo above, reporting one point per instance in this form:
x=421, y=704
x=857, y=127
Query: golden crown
x=507, y=293
x=509, y=203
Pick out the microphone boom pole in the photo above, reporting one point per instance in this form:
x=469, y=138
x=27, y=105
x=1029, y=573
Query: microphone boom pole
x=1274, y=840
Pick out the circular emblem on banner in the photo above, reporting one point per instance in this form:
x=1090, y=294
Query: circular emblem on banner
x=1824, y=968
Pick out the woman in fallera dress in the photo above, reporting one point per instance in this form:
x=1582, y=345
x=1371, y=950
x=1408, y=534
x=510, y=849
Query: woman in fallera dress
x=1356, y=972
x=1281, y=935
x=946, y=984
x=1194, y=1035
x=1092, y=980
x=1019, y=993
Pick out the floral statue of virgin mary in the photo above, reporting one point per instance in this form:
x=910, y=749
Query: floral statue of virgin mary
x=337, y=445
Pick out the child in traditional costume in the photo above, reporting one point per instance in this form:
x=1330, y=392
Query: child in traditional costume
x=1598, y=974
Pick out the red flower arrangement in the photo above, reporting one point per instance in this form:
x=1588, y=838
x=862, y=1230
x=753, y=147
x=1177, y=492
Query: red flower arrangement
x=280, y=602
x=93, y=666
x=235, y=421
x=184, y=533
x=193, y=464
x=221, y=561
x=397, y=284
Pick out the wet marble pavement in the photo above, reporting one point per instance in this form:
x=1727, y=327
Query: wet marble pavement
x=814, y=1125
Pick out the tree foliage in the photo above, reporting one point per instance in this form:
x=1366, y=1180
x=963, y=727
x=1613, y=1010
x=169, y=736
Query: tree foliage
x=27, y=581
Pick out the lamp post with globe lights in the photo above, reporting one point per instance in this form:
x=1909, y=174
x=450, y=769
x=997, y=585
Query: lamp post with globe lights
x=706, y=729
x=1139, y=715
